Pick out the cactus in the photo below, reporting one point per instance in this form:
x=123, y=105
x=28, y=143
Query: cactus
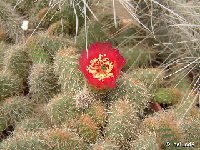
x=25, y=6
x=17, y=60
x=132, y=90
x=84, y=98
x=43, y=48
x=108, y=24
x=62, y=108
x=187, y=103
x=42, y=82
x=97, y=112
x=66, y=68
x=88, y=129
x=145, y=141
x=191, y=129
x=9, y=85
x=37, y=122
x=167, y=96
x=39, y=55
x=165, y=125
x=192, y=114
x=151, y=77
x=66, y=13
x=105, y=145
x=64, y=139
x=30, y=124
x=15, y=109
x=3, y=123
x=24, y=141
x=47, y=103
x=122, y=123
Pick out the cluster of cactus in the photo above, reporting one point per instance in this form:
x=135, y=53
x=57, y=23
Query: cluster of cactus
x=49, y=104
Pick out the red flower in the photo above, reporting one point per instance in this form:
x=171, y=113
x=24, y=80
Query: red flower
x=103, y=65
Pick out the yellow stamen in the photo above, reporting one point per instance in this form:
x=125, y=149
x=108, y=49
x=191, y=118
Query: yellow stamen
x=97, y=70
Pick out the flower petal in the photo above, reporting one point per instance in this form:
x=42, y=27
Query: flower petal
x=98, y=52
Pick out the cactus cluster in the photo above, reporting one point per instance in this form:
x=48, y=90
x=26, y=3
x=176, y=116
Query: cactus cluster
x=48, y=81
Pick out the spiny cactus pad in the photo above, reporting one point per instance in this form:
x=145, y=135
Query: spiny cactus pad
x=122, y=123
x=9, y=85
x=88, y=129
x=10, y=21
x=166, y=128
x=145, y=141
x=64, y=139
x=43, y=48
x=66, y=68
x=3, y=123
x=62, y=108
x=43, y=83
x=30, y=124
x=24, y=141
x=14, y=109
x=105, y=145
x=167, y=96
x=151, y=77
x=132, y=90
x=97, y=111
x=18, y=61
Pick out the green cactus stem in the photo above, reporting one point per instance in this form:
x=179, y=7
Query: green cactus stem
x=105, y=145
x=42, y=82
x=66, y=68
x=123, y=123
x=24, y=141
x=30, y=124
x=88, y=129
x=3, y=123
x=18, y=61
x=165, y=126
x=151, y=77
x=43, y=48
x=145, y=141
x=62, y=109
x=97, y=111
x=64, y=139
x=14, y=109
x=132, y=90
x=10, y=85
x=167, y=96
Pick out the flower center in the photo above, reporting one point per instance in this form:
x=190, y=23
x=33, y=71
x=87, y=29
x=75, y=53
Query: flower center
x=103, y=67
x=100, y=67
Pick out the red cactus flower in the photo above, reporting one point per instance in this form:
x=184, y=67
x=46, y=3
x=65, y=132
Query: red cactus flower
x=102, y=66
